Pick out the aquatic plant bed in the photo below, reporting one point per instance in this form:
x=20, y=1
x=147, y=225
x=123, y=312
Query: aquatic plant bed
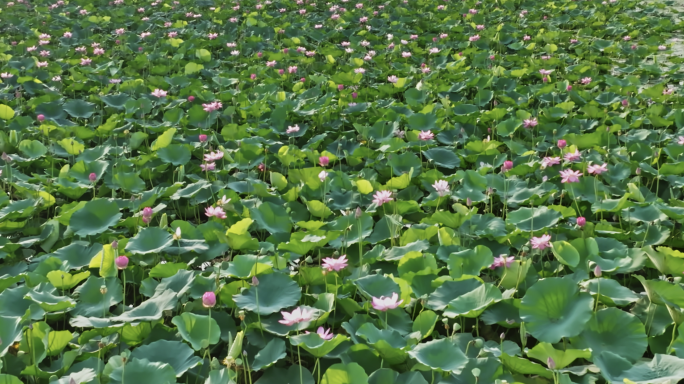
x=303, y=192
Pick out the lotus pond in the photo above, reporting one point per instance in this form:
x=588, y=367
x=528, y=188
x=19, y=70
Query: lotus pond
x=372, y=192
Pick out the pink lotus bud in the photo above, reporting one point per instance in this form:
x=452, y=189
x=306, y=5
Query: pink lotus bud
x=551, y=363
x=209, y=299
x=140, y=49
x=281, y=71
x=285, y=50
x=303, y=79
x=40, y=117
x=562, y=143
x=581, y=221
x=252, y=76
x=121, y=262
x=203, y=138
x=324, y=160
x=260, y=54
x=597, y=271
x=147, y=211
x=115, y=244
x=354, y=95
x=434, y=39
x=492, y=57
x=118, y=42
x=262, y=167
x=625, y=102
x=146, y=219
x=638, y=171
x=340, y=87
x=92, y=177
x=255, y=281
x=469, y=202
x=191, y=98
x=568, y=88
x=634, y=46
x=507, y=165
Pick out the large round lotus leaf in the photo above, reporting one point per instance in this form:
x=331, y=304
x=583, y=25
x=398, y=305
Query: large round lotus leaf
x=473, y=303
x=533, y=219
x=269, y=355
x=554, y=308
x=443, y=157
x=565, y=253
x=389, y=376
x=377, y=285
x=149, y=240
x=611, y=292
x=612, y=329
x=198, y=330
x=450, y=290
x=440, y=354
x=662, y=369
x=91, y=302
x=562, y=358
x=32, y=149
x=150, y=310
x=351, y=373
x=274, y=292
x=174, y=353
x=95, y=217
x=388, y=342
x=176, y=154
x=79, y=108
x=469, y=261
x=272, y=218
x=142, y=371
x=316, y=345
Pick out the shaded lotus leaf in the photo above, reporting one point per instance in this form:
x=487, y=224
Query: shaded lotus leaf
x=200, y=331
x=269, y=355
x=473, y=303
x=141, y=371
x=524, y=366
x=662, y=369
x=611, y=292
x=562, y=358
x=533, y=219
x=91, y=302
x=151, y=309
x=291, y=375
x=48, y=298
x=351, y=373
x=389, y=343
x=316, y=345
x=149, y=240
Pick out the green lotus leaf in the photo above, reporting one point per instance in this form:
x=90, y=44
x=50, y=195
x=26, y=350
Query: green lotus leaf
x=469, y=262
x=425, y=323
x=269, y=355
x=610, y=292
x=272, y=218
x=440, y=354
x=94, y=218
x=9, y=379
x=628, y=341
x=473, y=303
x=562, y=358
x=443, y=157
x=449, y=291
x=10, y=331
x=565, y=253
x=91, y=302
x=150, y=310
x=377, y=285
x=200, y=331
x=524, y=366
x=32, y=149
x=47, y=297
x=176, y=154
x=533, y=219
x=554, y=308
x=662, y=369
x=79, y=108
x=351, y=373
x=274, y=292
x=174, y=353
x=276, y=375
x=389, y=376
x=389, y=343
x=149, y=240
x=142, y=371
x=316, y=345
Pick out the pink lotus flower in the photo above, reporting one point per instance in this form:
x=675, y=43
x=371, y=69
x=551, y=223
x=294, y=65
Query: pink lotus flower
x=507, y=165
x=202, y=138
x=98, y=51
x=212, y=36
x=292, y=129
x=121, y=262
x=572, y=156
x=213, y=156
x=545, y=71
x=502, y=261
x=145, y=34
x=6, y=75
x=159, y=93
x=526, y=38
x=335, y=264
x=392, y=79
x=67, y=34
x=86, y=61
x=213, y=106
x=581, y=221
x=549, y=161
x=573, y=41
x=42, y=64
x=382, y=197
x=562, y=143
x=292, y=69
x=570, y=176
x=297, y=316
x=172, y=34
x=386, y=303
x=441, y=187
x=585, y=81
x=425, y=135
x=208, y=167
x=271, y=63
x=680, y=141
x=120, y=31
x=92, y=177
x=662, y=47
x=474, y=38
x=215, y=212
x=541, y=243
x=597, y=169
x=209, y=299
x=530, y=123
x=322, y=175
x=325, y=334
x=323, y=161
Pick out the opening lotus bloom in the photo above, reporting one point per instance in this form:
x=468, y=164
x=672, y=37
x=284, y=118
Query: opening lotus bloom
x=441, y=187
x=549, y=161
x=573, y=156
x=530, y=123
x=383, y=303
x=335, y=264
x=322, y=176
x=299, y=315
x=325, y=334
x=382, y=197
x=502, y=261
x=570, y=176
x=541, y=243
x=159, y=93
x=425, y=135
x=209, y=299
x=597, y=169
x=215, y=212
x=292, y=129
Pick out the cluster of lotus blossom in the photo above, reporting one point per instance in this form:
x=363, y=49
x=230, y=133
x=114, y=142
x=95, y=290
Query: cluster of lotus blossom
x=213, y=106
